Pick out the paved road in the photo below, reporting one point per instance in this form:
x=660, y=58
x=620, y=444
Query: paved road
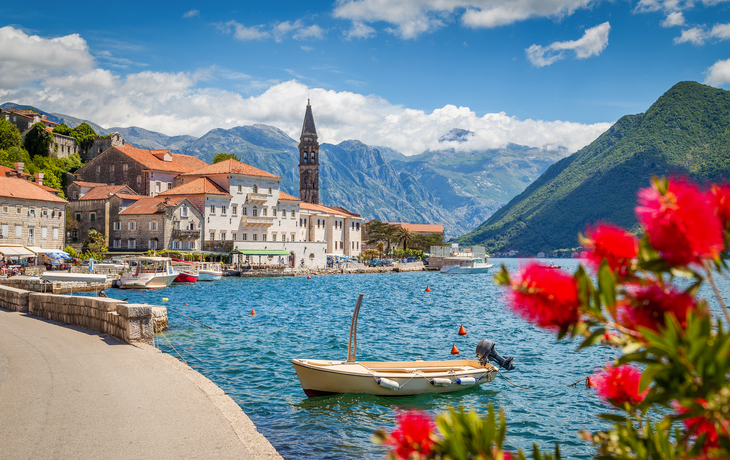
x=69, y=393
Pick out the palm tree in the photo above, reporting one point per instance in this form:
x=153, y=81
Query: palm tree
x=404, y=237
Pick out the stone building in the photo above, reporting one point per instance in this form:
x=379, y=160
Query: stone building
x=24, y=119
x=160, y=222
x=30, y=215
x=309, y=160
x=101, y=144
x=62, y=146
x=147, y=172
x=96, y=209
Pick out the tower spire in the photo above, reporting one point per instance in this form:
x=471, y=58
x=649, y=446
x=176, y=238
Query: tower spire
x=309, y=160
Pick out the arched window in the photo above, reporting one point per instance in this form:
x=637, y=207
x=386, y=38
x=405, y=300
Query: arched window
x=255, y=210
x=255, y=189
x=311, y=159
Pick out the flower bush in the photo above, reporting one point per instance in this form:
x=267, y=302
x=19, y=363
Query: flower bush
x=670, y=387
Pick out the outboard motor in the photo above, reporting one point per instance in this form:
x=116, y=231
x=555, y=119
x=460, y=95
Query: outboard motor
x=486, y=352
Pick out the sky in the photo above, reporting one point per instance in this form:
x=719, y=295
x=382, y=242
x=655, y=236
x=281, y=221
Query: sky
x=394, y=73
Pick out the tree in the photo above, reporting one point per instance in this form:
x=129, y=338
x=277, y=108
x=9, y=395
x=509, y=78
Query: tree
x=404, y=237
x=97, y=245
x=13, y=155
x=382, y=232
x=38, y=140
x=424, y=242
x=9, y=135
x=225, y=156
x=83, y=134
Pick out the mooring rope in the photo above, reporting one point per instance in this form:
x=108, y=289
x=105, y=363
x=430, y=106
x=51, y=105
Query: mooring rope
x=518, y=386
x=191, y=319
x=173, y=347
x=576, y=383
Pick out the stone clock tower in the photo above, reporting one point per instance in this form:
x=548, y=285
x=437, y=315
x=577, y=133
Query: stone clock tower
x=309, y=160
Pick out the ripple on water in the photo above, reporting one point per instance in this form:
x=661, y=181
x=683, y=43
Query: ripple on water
x=249, y=356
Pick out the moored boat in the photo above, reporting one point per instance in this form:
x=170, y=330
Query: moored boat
x=147, y=273
x=465, y=265
x=209, y=271
x=188, y=272
x=396, y=378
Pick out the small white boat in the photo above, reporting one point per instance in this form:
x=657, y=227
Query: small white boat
x=209, y=271
x=147, y=273
x=465, y=265
x=396, y=378
x=80, y=277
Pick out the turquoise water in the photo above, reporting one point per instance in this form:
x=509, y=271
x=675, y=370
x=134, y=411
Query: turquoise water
x=249, y=356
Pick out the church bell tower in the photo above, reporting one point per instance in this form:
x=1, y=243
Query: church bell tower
x=309, y=160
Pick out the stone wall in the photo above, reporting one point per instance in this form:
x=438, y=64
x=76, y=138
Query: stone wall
x=129, y=322
x=102, y=143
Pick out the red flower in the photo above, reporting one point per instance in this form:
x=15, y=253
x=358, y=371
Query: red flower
x=681, y=222
x=721, y=197
x=618, y=385
x=545, y=296
x=696, y=426
x=614, y=244
x=648, y=305
x=506, y=455
x=413, y=434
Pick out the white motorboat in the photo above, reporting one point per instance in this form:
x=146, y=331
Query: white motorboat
x=396, y=378
x=79, y=277
x=209, y=271
x=147, y=273
x=465, y=265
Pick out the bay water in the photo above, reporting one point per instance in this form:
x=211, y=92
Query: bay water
x=248, y=356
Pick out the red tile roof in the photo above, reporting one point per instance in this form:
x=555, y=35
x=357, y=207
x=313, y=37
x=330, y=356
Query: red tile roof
x=199, y=186
x=420, y=228
x=103, y=192
x=13, y=187
x=128, y=196
x=287, y=197
x=231, y=167
x=87, y=184
x=320, y=208
x=151, y=159
x=344, y=211
x=150, y=205
x=46, y=188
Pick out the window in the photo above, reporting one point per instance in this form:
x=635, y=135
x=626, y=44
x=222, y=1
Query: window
x=92, y=217
x=18, y=231
x=139, y=180
x=234, y=210
x=244, y=236
x=153, y=227
x=212, y=208
x=263, y=212
x=240, y=188
x=191, y=244
x=223, y=210
x=111, y=168
x=176, y=244
x=158, y=186
x=283, y=213
x=31, y=212
x=132, y=244
x=273, y=237
x=31, y=235
x=44, y=213
x=244, y=211
x=5, y=209
x=117, y=225
x=5, y=230
x=125, y=167
x=292, y=237
x=55, y=233
x=98, y=169
x=255, y=188
x=75, y=195
x=358, y=245
x=255, y=236
x=212, y=235
x=169, y=186
x=19, y=209
x=75, y=236
x=151, y=244
x=234, y=236
x=269, y=190
x=255, y=211
x=357, y=226
x=117, y=243
x=132, y=225
x=184, y=211
x=263, y=237
x=44, y=233
x=191, y=226
x=273, y=212
x=223, y=236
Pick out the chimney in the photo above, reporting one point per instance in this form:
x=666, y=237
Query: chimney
x=167, y=200
x=39, y=178
x=19, y=167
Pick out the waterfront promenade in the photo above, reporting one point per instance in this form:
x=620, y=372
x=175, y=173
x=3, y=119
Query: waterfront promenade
x=66, y=392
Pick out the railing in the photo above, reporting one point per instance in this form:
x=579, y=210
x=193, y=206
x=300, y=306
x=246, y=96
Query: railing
x=185, y=233
x=247, y=221
x=257, y=198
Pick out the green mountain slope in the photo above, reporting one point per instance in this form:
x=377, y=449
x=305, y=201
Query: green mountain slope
x=686, y=132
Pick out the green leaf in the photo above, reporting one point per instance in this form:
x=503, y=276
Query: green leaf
x=592, y=339
x=613, y=417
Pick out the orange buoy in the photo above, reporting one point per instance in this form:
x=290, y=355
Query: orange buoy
x=454, y=350
x=186, y=304
x=428, y=289
x=253, y=312
x=309, y=277
x=462, y=331
x=589, y=383
x=452, y=275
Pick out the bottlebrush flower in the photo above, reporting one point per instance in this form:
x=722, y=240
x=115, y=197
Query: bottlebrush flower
x=618, y=385
x=681, y=222
x=647, y=306
x=697, y=426
x=721, y=197
x=545, y=296
x=414, y=434
x=614, y=244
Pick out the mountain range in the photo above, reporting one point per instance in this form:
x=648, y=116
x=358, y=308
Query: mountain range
x=459, y=189
x=685, y=133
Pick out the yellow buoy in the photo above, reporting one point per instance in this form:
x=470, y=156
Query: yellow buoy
x=165, y=299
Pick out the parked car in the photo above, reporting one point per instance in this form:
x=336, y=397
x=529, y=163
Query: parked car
x=411, y=259
x=375, y=263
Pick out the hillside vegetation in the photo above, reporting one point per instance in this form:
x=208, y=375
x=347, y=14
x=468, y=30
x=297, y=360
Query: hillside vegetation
x=686, y=132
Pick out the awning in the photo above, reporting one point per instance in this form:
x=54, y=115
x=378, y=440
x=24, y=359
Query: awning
x=15, y=251
x=58, y=255
x=261, y=252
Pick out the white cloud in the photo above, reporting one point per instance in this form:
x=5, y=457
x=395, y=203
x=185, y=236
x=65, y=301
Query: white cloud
x=191, y=13
x=307, y=33
x=592, y=43
x=699, y=35
x=718, y=74
x=279, y=30
x=173, y=103
x=414, y=17
x=721, y=31
x=359, y=30
x=241, y=32
x=674, y=19
x=669, y=6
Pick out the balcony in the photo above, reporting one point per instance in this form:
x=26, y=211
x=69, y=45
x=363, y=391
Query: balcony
x=247, y=221
x=218, y=245
x=182, y=234
x=257, y=197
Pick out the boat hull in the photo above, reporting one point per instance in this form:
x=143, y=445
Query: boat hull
x=155, y=282
x=321, y=378
x=209, y=276
x=186, y=278
x=456, y=270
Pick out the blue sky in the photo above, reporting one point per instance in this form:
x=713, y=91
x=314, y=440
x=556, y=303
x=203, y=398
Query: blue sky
x=399, y=73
